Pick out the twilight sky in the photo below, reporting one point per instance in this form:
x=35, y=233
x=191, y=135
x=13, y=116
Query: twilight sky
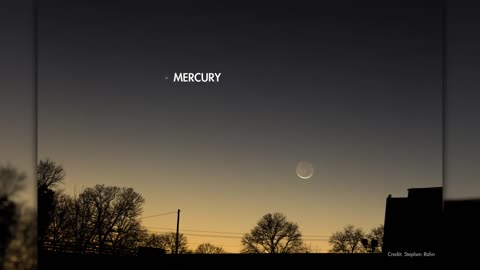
x=17, y=101
x=463, y=113
x=355, y=89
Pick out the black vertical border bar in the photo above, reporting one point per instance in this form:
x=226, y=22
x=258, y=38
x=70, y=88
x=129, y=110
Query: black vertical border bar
x=35, y=91
x=444, y=98
x=34, y=6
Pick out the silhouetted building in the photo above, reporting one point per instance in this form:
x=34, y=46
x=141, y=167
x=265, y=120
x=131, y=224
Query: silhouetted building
x=461, y=228
x=414, y=224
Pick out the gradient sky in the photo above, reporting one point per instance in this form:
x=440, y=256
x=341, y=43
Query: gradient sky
x=17, y=110
x=353, y=88
x=463, y=112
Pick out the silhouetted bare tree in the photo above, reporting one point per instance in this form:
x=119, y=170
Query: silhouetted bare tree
x=127, y=234
x=166, y=241
x=207, y=248
x=11, y=181
x=376, y=234
x=98, y=218
x=273, y=234
x=17, y=223
x=78, y=222
x=347, y=241
x=114, y=218
x=60, y=222
x=49, y=175
x=22, y=251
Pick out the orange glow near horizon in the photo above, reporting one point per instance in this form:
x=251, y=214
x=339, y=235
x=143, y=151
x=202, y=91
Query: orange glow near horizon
x=221, y=213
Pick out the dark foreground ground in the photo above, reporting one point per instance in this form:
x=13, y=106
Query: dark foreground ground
x=53, y=261
x=458, y=236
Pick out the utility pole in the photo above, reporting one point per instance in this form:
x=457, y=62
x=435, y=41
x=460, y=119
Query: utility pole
x=178, y=223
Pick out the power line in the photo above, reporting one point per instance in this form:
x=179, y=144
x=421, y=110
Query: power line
x=219, y=232
x=239, y=237
x=214, y=232
x=222, y=245
x=209, y=235
x=196, y=230
x=168, y=213
x=314, y=240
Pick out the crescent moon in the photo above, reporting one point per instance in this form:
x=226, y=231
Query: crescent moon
x=304, y=169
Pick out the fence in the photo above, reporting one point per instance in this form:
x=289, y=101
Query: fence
x=88, y=248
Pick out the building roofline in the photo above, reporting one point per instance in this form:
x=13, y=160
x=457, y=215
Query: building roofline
x=425, y=188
